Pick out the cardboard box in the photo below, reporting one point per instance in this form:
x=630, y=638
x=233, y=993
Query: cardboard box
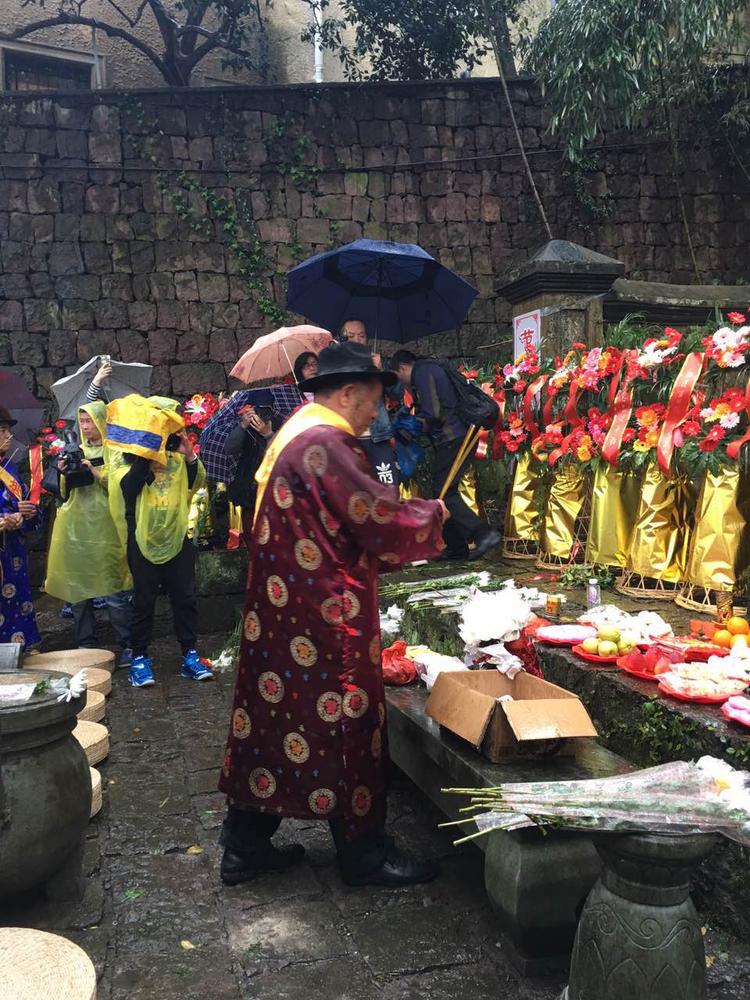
x=541, y=720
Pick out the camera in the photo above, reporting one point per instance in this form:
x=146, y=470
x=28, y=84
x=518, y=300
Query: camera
x=76, y=474
x=173, y=442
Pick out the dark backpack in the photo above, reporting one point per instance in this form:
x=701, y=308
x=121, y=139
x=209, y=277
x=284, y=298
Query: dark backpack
x=473, y=405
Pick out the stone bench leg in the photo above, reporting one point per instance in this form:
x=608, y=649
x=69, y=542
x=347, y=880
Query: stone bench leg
x=639, y=934
x=537, y=884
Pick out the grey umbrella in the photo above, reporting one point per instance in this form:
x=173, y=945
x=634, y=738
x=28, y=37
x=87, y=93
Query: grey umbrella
x=70, y=392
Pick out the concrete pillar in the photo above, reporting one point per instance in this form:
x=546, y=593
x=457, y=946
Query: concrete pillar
x=567, y=284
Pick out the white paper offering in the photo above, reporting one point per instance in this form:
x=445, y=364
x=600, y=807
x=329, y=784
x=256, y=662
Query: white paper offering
x=15, y=694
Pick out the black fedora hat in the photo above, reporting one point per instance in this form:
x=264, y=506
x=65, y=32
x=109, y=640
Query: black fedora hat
x=347, y=362
x=5, y=417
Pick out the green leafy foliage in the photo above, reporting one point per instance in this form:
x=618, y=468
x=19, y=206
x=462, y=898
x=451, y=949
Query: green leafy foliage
x=603, y=63
x=414, y=39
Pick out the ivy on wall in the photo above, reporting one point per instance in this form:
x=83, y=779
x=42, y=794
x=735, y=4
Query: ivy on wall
x=232, y=221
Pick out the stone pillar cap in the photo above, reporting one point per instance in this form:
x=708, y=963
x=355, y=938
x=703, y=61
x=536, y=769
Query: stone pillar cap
x=560, y=266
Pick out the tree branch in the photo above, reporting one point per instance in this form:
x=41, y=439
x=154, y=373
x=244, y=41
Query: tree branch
x=131, y=21
x=91, y=22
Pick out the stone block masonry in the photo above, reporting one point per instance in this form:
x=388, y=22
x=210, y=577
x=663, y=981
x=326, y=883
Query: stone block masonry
x=118, y=211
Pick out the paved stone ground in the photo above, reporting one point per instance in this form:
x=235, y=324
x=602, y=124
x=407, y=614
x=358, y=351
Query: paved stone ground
x=158, y=923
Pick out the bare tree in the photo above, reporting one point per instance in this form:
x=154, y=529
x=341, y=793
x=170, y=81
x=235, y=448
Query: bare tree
x=189, y=30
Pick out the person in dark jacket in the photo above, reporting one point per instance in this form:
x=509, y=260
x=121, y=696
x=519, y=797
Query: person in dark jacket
x=377, y=439
x=437, y=412
x=247, y=443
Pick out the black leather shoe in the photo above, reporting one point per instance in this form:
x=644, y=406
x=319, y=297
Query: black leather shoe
x=398, y=869
x=490, y=539
x=237, y=868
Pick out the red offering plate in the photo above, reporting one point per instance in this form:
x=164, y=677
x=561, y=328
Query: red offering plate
x=698, y=699
x=593, y=657
x=695, y=652
x=550, y=634
x=623, y=665
x=735, y=715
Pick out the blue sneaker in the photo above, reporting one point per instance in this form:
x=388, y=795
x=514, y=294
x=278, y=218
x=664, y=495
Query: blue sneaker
x=100, y=603
x=141, y=674
x=194, y=668
x=66, y=611
x=126, y=658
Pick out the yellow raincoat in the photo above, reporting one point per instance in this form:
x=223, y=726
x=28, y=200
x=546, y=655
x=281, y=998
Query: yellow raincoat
x=87, y=555
x=161, y=511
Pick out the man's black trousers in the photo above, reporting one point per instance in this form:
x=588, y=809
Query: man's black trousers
x=177, y=576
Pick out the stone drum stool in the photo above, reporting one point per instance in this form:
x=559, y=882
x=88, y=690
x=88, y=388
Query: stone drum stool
x=639, y=936
x=34, y=964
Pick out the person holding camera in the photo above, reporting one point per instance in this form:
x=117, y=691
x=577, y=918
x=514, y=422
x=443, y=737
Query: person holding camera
x=86, y=555
x=17, y=516
x=150, y=503
x=247, y=443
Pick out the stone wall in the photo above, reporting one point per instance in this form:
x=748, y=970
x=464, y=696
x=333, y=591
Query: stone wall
x=106, y=250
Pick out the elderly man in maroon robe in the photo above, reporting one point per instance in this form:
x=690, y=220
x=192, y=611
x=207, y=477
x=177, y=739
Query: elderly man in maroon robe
x=307, y=737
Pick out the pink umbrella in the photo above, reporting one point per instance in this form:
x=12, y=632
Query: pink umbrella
x=273, y=356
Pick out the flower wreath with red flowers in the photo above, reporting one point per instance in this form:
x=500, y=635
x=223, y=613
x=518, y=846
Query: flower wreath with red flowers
x=710, y=428
x=198, y=409
x=729, y=345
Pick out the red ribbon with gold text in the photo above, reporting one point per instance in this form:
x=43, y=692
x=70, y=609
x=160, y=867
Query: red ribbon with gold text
x=536, y=386
x=621, y=409
x=680, y=401
x=573, y=420
x=733, y=449
x=35, y=473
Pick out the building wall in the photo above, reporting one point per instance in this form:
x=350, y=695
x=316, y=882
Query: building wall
x=280, y=54
x=103, y=250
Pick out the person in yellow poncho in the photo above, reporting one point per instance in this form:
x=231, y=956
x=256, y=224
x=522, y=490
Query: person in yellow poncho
x=87, y=555
x=150, y=503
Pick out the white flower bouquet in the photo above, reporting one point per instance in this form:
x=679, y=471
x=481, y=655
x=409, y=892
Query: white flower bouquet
x=709, y=796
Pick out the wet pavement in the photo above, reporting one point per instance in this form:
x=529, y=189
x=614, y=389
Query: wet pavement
x=157, y=922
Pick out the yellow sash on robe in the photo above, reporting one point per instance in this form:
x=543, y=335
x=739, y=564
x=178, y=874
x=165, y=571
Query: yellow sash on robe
x=311, y=415
x=11, y=483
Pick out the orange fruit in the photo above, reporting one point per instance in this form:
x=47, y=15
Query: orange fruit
x=734, y=639
x=723, y=637
x=738, y=626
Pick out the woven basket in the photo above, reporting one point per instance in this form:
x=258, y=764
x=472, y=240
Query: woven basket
x=35, y=964
x=95, y=708
x=695, y=598
x=519, y=548
x=646, y=588
x=70, y=661
x=96, y=792
x=94, y=738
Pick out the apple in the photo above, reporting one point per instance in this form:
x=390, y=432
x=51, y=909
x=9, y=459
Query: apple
x=591, y=645
x=607, y=648
x=625, y=645
x=608, y=633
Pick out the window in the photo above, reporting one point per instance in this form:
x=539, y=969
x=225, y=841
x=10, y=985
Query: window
x=27, y=72
x=30, y=66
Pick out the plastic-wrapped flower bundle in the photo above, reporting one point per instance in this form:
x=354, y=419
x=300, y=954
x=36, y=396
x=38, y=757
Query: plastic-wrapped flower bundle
x=709, y=796
x=498, y=615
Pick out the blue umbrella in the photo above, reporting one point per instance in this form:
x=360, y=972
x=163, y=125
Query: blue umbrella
x=397, y=290
x=221, y=467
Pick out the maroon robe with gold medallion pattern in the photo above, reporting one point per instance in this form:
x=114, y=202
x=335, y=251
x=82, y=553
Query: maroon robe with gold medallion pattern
x=307, y=732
